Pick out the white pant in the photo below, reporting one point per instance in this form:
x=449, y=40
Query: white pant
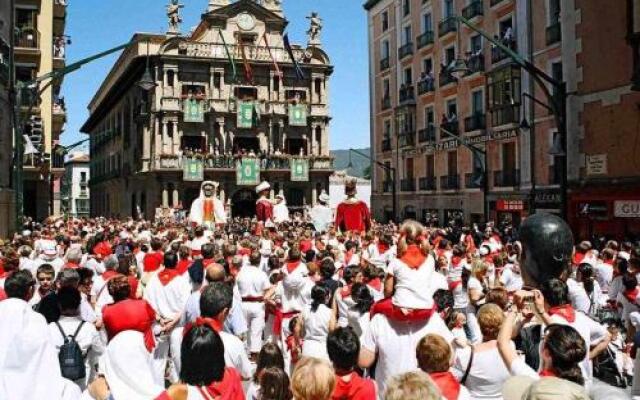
x=254, y=314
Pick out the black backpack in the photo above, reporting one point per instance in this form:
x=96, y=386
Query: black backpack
x=70, y=356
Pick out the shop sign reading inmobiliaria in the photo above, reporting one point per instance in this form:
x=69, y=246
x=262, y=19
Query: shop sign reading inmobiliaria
x=626, y=208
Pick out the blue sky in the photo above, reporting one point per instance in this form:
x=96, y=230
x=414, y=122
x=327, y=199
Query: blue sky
x=97, y=25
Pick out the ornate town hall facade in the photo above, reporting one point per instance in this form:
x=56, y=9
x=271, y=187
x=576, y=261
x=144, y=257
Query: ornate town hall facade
x=179, y=108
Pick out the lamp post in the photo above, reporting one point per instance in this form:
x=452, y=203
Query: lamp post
x=394, y=177
x=32, y=88
x=557, y=102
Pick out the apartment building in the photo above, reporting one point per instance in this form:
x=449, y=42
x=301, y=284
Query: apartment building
x=417, y=99
x=40, y=47
x=74, y=190
x=7, y=195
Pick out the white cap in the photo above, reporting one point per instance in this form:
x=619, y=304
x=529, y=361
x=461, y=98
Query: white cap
x=324, y=197
x=624, y=255
x=262, y=187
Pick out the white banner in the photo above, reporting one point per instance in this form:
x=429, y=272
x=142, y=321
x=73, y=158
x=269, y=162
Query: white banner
x=627, y=209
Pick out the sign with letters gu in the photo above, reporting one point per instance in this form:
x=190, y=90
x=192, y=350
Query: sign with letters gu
x=626, y=209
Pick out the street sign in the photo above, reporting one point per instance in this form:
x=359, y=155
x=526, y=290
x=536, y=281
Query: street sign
x=245, y=115
x=248, y=172
x=597, y=164
x=297, y=115
x=626, y=209
x=299, y=170
x=193, y=110
x=193, y=170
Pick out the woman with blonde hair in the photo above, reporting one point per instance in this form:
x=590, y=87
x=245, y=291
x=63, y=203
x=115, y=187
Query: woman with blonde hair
x=412, y=386
x=313, y=379
x=474, y=282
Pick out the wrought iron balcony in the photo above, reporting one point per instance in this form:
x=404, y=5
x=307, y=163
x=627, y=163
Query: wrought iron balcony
x=475, y=122
x=407, y=94
x=407, y=139
x=427, y=85
x=449, y=127
x=427, y=134
x=408, y=185
x=554, y=33
x=386, y=145
x=450, y=182
x=471, y=181
x=387, y=186
x=497, y=54
x=27, y=37
x=446, y=26
x=475, y=64
x=507, y=178
x=425, y=39
x=446, y=78
x=474, y=9
x=427, y=183
x=405, y=50
x=57, y=161
x=384, y=64
x=386, y=103
x=505, y=115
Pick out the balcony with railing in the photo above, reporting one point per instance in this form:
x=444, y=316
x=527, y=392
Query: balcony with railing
x=405, y=50
x=474, y=9
x=553, y=33
x=475, y=63
x=475, y=122
x=505, y=115
x=407, y=139
x=408, y=185
x=446, y=78
x=427, y=183
x=506, y=178
x=449, y=127
x=407, y=94
x=387, y=186
x=386, y=102
x=450, y=182
x=384, y=64
x=426, y=85
x=471, y=181
x=497, y=54
x=427, y=134
x=447, y=26
x=425, y=39
x=27, y=37
x=57, y=160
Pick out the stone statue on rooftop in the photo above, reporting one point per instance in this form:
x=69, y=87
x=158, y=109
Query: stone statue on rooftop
x=315, y=29
x=173, y=14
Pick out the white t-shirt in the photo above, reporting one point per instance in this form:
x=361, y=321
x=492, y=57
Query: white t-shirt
x=580, y=300
x=510, y=280
x=316, y=328
x=413, y=286
x=252, y=282
x=604, y=275
x=392, y=341
x=235, y=354
x=487, y=374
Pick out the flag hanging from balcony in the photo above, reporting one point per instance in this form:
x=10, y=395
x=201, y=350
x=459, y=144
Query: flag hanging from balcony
x=248, y=172
x=193, y=170
x=296, y=66
x=245, y=115
x=297, y=114
x=275, y=64
x=248, y=72
x=299, y=170
x=229, y=56
x=193, y=110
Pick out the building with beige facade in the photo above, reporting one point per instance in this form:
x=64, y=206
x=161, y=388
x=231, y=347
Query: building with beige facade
x=416, y=101
x=228, y=90
x=39, y=48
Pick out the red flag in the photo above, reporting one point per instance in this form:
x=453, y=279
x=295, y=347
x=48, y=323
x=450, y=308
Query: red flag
x=275, y=64
x=248, y=73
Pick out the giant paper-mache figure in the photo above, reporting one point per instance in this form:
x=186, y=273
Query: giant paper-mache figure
x=352, y=214
x=208, y=210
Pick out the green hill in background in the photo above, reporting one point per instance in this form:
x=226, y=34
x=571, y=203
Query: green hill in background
x=361, y=165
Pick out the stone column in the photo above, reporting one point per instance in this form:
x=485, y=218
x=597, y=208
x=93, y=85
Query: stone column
x=166, y=146
x=222, y=194
x=306, y=143
x=176, y=197
x=314, y=195
x=157, y=137
x=313, y=139
x=283, y=136
x=165, y=196
x=177, y=134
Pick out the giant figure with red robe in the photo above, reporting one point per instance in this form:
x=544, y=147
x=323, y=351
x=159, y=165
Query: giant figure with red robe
x=352, y=214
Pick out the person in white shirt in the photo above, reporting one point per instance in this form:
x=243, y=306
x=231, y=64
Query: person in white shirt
x=510, y=277
x=434, y=356
x=49, y=255
x=252, y=284
x=584, y=291
x=84, y=333
x=318, y=321
x=215, y=302
x=604, y=270
x=44, y=276
x=25, y=259
x=280, y=210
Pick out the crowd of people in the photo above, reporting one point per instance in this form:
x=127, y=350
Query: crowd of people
x=134, y=309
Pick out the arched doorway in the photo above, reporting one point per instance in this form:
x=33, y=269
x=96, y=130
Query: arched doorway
x=243, y=203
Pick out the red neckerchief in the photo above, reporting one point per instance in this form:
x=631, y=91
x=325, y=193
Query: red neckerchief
x=200, y=321
x=375, y=284
x=292, y=265
x=395, y=313
x=354, y=388
x=413, y=257
x=106, y=275
x=578, y=257
x=71, y=265
x=244, y=252
x=183, y=266
x=382, y=248
x=631, y=295
x=566, y=311
x=305, y=245
x=346, y=291
x=166, y=275
x=545, y=373
x=447, y=383
x=208, y=261
x=455, y=261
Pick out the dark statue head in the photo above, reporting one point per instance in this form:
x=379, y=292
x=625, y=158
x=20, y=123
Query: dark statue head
x=547, y=244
